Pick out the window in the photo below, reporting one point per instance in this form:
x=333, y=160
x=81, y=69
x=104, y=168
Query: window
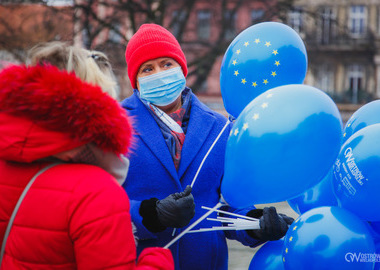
x=327, y=27
x=203, y=29
x=378, y=20
x=325, y=78
x=355, y=76
x=295, y=20
x=230, y=18
x=178, y=16
x=114, y=35
x=86, y=39
x=59, y=3
x=257, y=16
x=358, y=20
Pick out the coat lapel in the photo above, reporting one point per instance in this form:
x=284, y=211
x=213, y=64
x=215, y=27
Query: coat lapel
x=200, y=125
x=150, y=133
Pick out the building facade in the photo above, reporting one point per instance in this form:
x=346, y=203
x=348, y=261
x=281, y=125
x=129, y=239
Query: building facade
x=342, y=38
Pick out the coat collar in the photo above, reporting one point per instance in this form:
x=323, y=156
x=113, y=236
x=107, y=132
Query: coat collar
x=147, y=129
x=200, y=125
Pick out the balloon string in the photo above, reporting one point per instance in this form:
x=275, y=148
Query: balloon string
x=229, y=213
x=204, y=159
x=219, y=204
x=208, y=152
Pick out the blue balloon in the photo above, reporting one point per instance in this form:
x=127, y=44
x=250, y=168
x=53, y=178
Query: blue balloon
x=283, y=143
x=321, y=194
x=263, y=56
x=268, y=257
x=375, y=230
x=356, y=180
x=328, y=238
x=366, y=115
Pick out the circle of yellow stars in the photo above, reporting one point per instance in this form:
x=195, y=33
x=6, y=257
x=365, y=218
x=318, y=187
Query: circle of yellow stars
x=265, y=80
x=256, y=116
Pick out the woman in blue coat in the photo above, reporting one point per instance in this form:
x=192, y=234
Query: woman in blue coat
x=173, y=133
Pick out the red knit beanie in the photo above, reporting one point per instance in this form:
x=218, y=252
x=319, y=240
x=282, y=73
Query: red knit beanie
x=152, y=41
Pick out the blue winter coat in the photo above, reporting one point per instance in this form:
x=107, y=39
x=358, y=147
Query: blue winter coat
x=152, y=174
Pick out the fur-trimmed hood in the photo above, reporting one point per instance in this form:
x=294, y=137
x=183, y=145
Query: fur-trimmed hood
x=44, y=111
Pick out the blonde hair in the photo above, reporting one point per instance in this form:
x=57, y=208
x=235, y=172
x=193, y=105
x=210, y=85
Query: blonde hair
x=93, y=67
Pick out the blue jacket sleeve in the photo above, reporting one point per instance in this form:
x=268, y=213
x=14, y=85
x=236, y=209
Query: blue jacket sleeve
x=240, y=235
x=142, y=233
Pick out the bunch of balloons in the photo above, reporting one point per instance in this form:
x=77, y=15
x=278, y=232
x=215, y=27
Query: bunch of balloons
x=288, y=143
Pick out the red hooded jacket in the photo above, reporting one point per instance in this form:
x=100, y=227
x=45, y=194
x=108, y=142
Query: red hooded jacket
x=75, y=216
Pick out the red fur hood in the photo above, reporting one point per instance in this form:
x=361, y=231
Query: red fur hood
x=44, y=111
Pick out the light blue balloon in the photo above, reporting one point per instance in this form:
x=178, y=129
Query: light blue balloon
x=263, y=56
x=366, y=115
x=322, y=194
x=268, y=257
x=328, y=238
x=356, y=179
x=283, y=143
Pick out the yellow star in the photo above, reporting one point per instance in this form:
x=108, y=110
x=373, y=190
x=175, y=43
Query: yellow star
x=274, y=73
x=275, y=52
x=283, y=259
x=290, y=238
x=255, y=116
x=245, y=126
x=267, y=44
x=286, y=250
x=236, y=72
x=254, y=84
x=246, y=44
x=269, y=95
x=257, y=41
x=243, y=81
x=236, y=132
x=294, y=228
x=265, y=81
x=277, y=63
x=264, y=105
x=238, y=51
x=234, y=62
x=344, y=135
x=349, y=124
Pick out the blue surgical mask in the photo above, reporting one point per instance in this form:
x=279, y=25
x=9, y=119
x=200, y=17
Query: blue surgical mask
x=162, y=88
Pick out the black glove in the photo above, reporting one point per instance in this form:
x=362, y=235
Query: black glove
x=273, y=226
x=175, y=211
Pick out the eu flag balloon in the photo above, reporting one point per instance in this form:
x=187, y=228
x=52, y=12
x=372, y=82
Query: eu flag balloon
x=283, y=143
x=329, y=238
x=261, y=57
x=366, y=115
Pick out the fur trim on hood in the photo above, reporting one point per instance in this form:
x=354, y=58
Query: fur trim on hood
x=59, y=101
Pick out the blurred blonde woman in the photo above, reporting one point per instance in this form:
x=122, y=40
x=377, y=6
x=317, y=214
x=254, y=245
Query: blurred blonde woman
x=90, y=66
